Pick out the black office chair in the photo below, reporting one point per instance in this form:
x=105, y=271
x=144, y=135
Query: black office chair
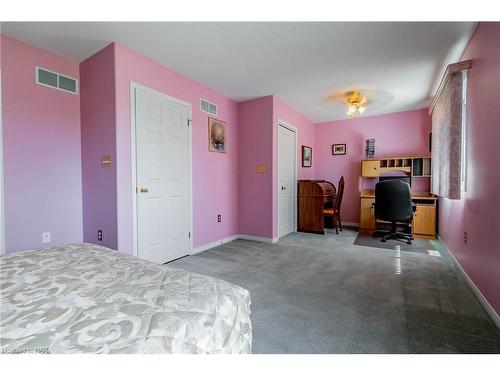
x=393, y=203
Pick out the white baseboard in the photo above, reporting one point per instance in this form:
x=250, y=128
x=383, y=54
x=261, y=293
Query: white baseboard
x=211, y=245
x=258, y=239
x=482, y=299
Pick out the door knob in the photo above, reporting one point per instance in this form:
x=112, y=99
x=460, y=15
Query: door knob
x=144, y=190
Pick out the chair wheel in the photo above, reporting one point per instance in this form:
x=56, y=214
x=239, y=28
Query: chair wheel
x=408, y=242
x=383, y=240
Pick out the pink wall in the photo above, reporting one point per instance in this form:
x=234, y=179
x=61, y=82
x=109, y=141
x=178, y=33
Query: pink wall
x=477, y=212
x=97, y=95
x=215, y=175
x=258, y=144
x=396, y=134
x=256, y=148
x=42, y=160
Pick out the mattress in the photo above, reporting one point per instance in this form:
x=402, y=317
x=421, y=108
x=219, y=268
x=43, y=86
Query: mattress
x=85, y=298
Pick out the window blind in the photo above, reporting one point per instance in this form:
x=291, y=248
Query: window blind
x=448, y=132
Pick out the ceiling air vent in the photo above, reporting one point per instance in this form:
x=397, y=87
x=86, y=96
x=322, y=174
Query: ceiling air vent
x=208, y=107
x=48, y=78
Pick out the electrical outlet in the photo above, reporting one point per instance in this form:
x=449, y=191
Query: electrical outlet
x=46, y=237
x=219, y=218
x=99, y=235
x=465, y=237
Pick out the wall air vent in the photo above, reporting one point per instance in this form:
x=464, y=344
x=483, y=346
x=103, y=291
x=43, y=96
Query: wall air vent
x=48, y=78
x=208, y=107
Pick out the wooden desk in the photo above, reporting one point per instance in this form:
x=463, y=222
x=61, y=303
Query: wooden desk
x=424, y=219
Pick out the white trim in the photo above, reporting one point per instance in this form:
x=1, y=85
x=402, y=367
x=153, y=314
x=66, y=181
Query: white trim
x=211, y=245
x=257, y=238
x=77, y=86
x=133, y=87
x=2, y=216
x=296, y=136
x=482, y=299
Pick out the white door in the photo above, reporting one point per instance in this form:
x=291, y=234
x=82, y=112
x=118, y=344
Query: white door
x=163, y=178
x=286, y=181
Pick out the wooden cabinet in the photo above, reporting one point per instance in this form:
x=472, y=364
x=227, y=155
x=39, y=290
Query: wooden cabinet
x=424, y=220
x=370, y=168
x=314, y=196
x=367, y=214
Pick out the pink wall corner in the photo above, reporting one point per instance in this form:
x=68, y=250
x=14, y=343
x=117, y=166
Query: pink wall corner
x=305, y=136
x=97, y=102
x=42, y=158
x=215, y=175
x=477, y=212
x=396, y=134
x=256, y=148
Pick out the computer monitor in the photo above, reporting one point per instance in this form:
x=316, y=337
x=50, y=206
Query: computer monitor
x=406, y=179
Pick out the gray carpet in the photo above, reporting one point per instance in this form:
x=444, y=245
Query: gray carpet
x=323, y=294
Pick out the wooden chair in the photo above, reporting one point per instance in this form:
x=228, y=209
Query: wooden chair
x=334, y=212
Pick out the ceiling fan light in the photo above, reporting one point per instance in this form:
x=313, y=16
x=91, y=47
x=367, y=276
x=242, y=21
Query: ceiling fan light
x=361, y=109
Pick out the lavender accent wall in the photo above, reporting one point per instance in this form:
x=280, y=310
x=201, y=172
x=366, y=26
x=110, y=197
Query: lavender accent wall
x=97, y=94
x=477, y=212
x=42, y=157
x=396, y=134
x=255, y=119
x=215, y=175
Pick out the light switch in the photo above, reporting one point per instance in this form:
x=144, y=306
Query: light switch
x=106, y=160
x=261, y=168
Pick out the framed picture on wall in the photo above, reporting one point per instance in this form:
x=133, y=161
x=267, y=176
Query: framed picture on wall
x=307, y=156
x=339, y=149
x=216, y=135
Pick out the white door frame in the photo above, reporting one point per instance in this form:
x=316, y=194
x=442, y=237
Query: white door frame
x=296, y=133
x=133, y=127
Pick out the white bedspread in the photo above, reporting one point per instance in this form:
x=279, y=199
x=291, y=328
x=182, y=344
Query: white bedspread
x=87, y=298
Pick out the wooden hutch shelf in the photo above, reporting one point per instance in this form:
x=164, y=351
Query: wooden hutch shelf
x=415, y=166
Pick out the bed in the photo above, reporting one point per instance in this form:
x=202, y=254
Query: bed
x=85, y=298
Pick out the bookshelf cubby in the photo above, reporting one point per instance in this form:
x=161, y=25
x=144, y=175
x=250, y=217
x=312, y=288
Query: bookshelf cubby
x=414, y=166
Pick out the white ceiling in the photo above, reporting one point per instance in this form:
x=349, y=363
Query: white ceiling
x=302, y=63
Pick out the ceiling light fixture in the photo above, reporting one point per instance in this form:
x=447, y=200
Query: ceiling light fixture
x=355, y=102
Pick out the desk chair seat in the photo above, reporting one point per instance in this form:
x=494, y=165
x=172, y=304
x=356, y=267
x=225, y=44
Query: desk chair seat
x=393, y=204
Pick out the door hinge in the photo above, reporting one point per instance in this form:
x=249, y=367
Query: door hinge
x=189, y=122
x=189, y=235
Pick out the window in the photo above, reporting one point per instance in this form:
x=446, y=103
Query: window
x=449, y=123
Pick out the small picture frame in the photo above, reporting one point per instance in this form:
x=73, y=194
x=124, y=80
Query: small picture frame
x=216, y=135
x=306, y=156
x=339, y=149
